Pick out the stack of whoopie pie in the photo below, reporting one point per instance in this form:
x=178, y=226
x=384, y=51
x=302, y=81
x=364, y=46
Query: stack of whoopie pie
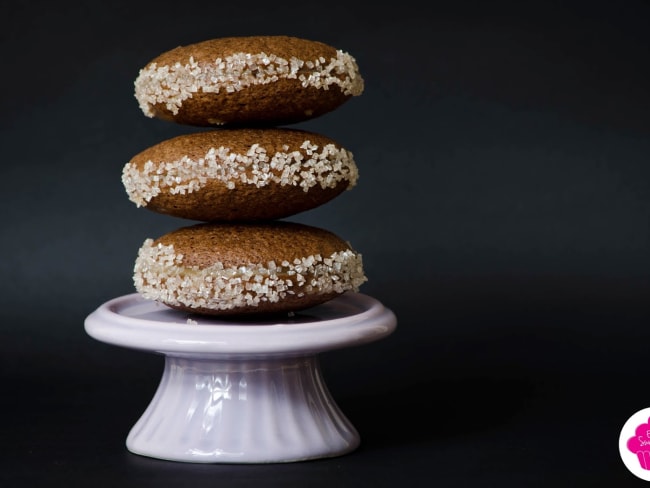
x=245, y=174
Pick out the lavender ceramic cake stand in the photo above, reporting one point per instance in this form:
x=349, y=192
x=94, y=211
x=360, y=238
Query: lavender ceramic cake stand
x=241, y=392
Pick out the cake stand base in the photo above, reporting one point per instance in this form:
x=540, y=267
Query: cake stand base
x=241, y=392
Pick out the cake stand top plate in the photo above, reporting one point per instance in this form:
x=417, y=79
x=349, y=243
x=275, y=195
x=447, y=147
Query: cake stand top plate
x=135, y=322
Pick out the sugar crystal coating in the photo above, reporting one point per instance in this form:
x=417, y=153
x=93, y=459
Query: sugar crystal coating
x=159, y=274
x=326, y=166
x=171, y=85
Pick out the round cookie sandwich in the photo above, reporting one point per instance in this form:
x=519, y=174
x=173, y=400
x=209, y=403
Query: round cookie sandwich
x=268, y=80
x=245, y=268
x=239, y=174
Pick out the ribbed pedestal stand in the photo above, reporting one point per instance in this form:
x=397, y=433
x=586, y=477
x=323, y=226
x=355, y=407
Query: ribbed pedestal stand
x=241, y=392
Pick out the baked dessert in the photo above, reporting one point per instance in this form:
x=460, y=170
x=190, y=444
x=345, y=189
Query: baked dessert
x=239, y=174
x=227, y=268
x=248, y=80
x=243, y=175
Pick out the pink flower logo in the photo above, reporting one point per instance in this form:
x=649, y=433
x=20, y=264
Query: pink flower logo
x=639, y=444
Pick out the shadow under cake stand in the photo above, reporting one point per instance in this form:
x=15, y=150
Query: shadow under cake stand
x=244, y=391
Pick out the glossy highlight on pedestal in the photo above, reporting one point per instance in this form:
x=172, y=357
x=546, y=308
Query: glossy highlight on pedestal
x=241, y=392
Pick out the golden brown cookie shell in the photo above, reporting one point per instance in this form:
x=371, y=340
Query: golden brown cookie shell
x=284, y=101
x=238, y=244
x=291, y=303
x=284, y=46
x=195, y=145
x=215, y=200
x=280, y=103
x=234, y=245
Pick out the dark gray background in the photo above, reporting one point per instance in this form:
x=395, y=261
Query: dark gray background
x=502, y=213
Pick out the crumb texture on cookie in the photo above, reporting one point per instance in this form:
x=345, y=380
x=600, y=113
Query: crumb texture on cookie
x=221, y=269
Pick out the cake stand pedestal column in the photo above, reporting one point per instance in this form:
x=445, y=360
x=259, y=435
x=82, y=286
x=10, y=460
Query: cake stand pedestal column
x=241, y=392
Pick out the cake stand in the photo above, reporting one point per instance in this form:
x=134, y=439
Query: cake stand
x=241, y=391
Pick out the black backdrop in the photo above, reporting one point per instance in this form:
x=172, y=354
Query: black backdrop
x=502, y=212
